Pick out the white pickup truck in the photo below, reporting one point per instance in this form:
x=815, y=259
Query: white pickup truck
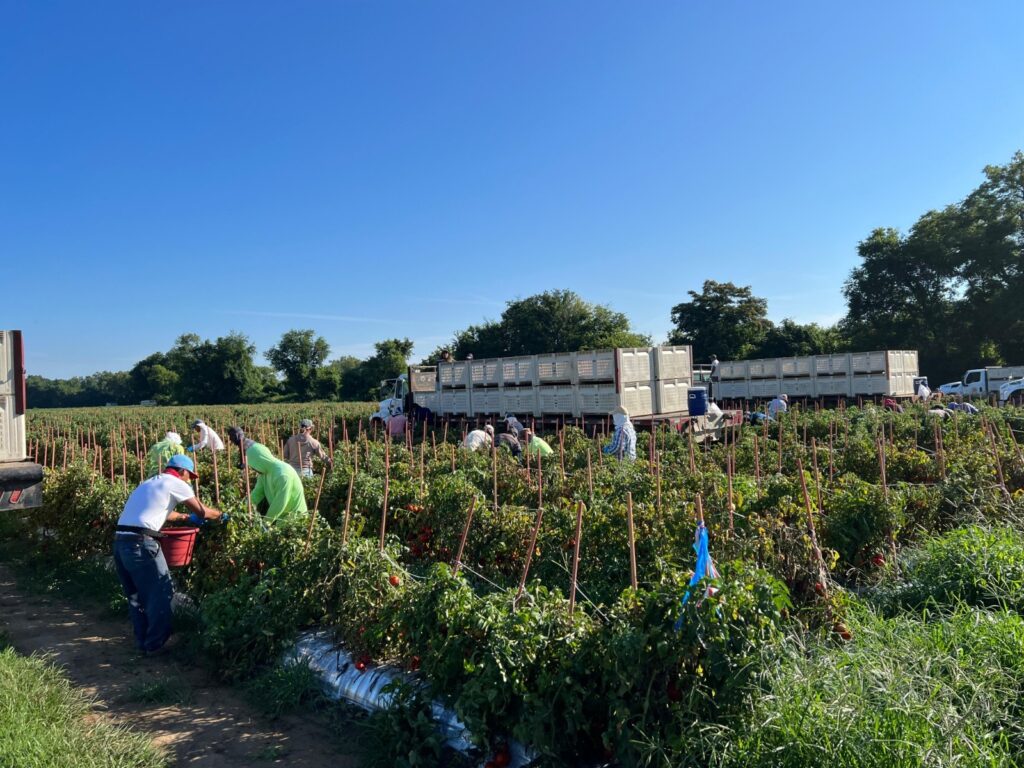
x=1006, y=381
x=21, y=480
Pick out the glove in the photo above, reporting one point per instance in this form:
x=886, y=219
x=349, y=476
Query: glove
x=224, y=517
x=196, y=519
x=189, y=449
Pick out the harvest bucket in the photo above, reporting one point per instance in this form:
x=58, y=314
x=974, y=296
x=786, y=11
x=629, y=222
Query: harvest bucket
x=177, y=545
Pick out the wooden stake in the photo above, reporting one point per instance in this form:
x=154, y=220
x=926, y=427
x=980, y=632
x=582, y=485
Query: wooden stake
x=462, y=539
x=348, y=502
x=316, y=506
x=632, y=540
x=576, y=557
x=822, y=570
x=529, y=555
x=387, y=487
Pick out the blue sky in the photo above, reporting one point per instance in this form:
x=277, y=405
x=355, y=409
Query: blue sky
x=380, y=169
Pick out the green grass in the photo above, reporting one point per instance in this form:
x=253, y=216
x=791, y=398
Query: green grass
x=170, y=691
x=906, y=692
x=44, y=723
x=279, y=690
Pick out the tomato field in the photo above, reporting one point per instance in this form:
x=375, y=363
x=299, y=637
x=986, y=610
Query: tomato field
x=867, y=609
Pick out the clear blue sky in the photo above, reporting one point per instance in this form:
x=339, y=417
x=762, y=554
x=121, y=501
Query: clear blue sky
x=379, y=169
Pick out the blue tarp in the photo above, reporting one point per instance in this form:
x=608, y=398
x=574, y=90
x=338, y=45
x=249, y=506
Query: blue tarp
x=705, y=567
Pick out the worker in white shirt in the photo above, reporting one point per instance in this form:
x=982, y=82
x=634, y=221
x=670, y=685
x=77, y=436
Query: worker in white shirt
x=479, y=438
x=207, y=438
x=923, y=392
x=713, y=378
x=779, y=405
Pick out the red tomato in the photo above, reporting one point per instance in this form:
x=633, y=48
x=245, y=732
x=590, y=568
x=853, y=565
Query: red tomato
x=393, y=580
x=502, y=757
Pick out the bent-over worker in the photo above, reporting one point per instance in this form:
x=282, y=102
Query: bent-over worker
x=207, y=438
x=278, y=482
x=140, y=562
x=479, y=438
x=161, y=452
x=535, y=446
x=623, y=444
x=779, y=405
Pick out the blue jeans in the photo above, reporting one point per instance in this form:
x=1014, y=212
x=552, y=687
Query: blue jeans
x=147, y=585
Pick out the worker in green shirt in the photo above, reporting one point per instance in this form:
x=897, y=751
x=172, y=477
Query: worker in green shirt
x=277, y=482
x=535, y=446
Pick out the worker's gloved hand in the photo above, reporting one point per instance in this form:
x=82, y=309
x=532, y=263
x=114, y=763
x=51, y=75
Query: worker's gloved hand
x=190, y=449
x=196, y=519
x=224, y=517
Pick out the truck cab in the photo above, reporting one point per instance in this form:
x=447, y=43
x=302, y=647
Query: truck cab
x=394, y=392
x=21, y=480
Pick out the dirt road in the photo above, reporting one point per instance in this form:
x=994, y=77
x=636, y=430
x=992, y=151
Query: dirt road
x=211, y=726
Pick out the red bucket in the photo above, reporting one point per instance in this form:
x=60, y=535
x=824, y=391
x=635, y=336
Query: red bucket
x=177, y=545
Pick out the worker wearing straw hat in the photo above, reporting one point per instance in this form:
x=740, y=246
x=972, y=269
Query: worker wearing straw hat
x=140, y=562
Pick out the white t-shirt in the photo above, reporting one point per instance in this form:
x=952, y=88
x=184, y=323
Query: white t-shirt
x=154, y=499
x=209, y=439
x=477, y=439
x=923, y=392
x=778, y=405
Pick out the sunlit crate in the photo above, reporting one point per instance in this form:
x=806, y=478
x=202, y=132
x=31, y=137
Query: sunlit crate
x=519, y=370
x=485, y=372
x=555, y=368
x=634, y=364
x=454, y=374
x=597, y=365
x=597, y=398
x=638, y=398
x=671, y=395
x=519, y=400
x=673, y=363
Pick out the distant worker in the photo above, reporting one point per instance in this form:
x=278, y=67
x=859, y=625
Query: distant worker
x=509, y=441
x=779, y=405
x=302, y=447
x=278, y=482
x=514, y=425
x=479, y=438
x=714, y=377
x=535, y=446
x=138, y=559
x=623, y=444
x=890, y=404
x=161, y=452
x=397, y=425
x=960, y=405
x=923, y=392
x=207, y=438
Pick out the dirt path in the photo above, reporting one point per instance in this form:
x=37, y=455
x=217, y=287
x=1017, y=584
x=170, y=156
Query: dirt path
x=215, y=728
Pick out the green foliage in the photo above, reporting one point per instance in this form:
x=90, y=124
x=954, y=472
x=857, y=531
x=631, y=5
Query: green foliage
x=44, y=723
x=299, y=357
x=723, y=319
x=282, y=689
x=404, y=736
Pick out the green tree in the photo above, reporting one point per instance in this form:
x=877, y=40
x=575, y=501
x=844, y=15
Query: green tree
x=723, y=319
x=791, y=339
x=298, y=356
x=215, y=372
x=388, y=361
x=152, y=378
x=553, y=321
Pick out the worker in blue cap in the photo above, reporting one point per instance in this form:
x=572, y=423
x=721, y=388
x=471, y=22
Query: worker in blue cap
x=140, y=562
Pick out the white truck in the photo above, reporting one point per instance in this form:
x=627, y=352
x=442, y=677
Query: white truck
x=21, y=480
x=653, y=383
x=889, y=373
x=983, y=382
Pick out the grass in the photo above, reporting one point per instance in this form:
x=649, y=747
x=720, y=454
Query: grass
x=170, y=691
x=46, y=723
x=906, y=692
x=279, y=690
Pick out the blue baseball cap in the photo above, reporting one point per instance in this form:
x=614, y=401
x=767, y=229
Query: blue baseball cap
x=179, y=461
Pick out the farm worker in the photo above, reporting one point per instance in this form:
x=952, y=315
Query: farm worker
x=397, y=425
x=207, y=438
x=535, y=446
x=278, y=481
x=963, y=407
x=479, y=438
x=161, y=452
x=511, y=442
x=302, y=447
x=713, y=378
x=140, y=562
x=623, y=444
x=513, y=425
x=891, y=405
x=779, y=405
x=923, y=392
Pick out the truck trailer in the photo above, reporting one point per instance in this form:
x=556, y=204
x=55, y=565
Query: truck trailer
x=890, y=373
x=653, y=383
x=21, y=480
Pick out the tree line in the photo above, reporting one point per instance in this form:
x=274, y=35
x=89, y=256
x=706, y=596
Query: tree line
x=952, y=287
